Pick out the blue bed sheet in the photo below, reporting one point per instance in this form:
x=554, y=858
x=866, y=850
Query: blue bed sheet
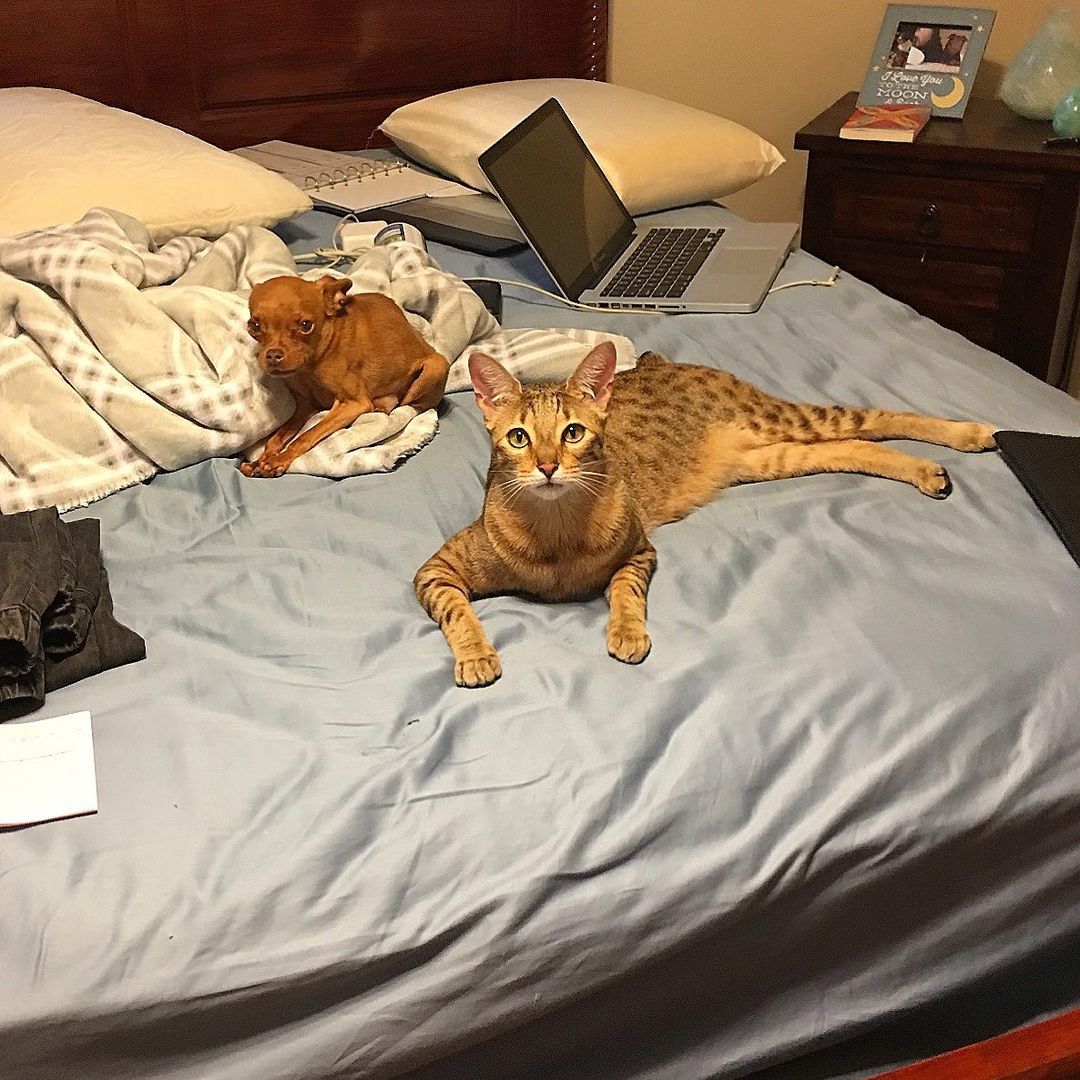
x=845, y=783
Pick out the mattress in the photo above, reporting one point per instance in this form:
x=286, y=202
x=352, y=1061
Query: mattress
x=845, y=783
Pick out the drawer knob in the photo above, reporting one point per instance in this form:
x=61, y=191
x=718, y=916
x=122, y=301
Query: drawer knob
x=929, y=223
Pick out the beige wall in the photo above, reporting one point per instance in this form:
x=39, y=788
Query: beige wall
x=773, y=65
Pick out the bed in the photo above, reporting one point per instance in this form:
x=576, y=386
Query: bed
x=842, y=796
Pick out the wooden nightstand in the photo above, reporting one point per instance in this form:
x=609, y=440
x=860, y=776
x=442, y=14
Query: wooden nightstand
x=974, y=224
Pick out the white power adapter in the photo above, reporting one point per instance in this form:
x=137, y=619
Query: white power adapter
x=357, y=236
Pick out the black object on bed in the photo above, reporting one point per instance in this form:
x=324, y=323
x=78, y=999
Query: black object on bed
x=56, y=618
x=491, y=293
x=476, y=223
x=1049, y=468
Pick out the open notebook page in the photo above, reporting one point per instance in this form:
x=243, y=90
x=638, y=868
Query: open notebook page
x=349, y=181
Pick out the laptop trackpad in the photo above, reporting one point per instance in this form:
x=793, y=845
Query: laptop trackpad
x=736, y=274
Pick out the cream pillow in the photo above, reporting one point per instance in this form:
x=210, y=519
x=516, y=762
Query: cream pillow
x=61, y=155
x=656, y=153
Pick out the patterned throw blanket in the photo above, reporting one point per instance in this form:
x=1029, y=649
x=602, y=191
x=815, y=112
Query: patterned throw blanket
x=119, y=359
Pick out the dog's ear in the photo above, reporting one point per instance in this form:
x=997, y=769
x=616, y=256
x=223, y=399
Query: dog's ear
x=492, y=383
x=334, y=294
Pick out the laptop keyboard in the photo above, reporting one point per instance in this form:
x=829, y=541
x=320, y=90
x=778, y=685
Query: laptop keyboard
x=664, y=263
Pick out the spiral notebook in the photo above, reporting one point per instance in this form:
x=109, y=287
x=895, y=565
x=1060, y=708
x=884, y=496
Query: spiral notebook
x=352, y=182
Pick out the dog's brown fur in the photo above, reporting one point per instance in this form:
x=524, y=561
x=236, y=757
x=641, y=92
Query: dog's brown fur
x=349, y=354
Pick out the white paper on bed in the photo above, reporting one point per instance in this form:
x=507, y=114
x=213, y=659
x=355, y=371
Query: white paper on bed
x=119, y=359
x=47, y=770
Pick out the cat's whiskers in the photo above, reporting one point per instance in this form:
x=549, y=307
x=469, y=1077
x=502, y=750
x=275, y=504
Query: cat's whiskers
x=508, y=491
x=600, y=478
x=593, y=487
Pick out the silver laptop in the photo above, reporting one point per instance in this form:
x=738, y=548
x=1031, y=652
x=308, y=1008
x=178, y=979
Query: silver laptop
x=579, y=228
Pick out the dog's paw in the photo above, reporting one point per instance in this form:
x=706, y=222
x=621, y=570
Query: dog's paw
x=932, y=479
x=976, y=437
x=479, y=671
x=270, y=466
x=248, y=467
x=629, y=644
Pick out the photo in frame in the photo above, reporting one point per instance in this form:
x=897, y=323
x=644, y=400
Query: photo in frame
x=927, y=55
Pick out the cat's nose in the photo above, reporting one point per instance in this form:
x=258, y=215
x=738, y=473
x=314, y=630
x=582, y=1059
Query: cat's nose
x=548, y=469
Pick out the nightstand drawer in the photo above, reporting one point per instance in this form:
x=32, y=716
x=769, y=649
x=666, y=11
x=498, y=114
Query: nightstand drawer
x=976, y=223
x=966, y=297
x=934, y=210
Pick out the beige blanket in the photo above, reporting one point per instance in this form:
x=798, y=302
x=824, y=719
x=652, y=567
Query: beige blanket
x=119, y=359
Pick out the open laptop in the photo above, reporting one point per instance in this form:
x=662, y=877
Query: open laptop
x=579, y=228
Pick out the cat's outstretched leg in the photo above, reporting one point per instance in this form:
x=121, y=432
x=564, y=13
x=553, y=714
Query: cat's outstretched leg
x=444, y=585
x=783, y=460
x=627, y=638
x=788, y=422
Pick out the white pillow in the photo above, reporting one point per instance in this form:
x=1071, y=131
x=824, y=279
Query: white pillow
x=656, y=153
x=61, y=155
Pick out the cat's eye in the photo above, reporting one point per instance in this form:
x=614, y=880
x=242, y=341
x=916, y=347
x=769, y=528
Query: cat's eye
x=306, y=326
x=254, y=327
x=573, y=433
x=518, y=438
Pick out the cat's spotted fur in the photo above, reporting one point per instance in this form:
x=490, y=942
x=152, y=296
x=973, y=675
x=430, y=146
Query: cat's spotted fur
x=604, y=459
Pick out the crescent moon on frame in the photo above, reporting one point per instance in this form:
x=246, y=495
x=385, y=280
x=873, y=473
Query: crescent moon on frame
x=947, y=101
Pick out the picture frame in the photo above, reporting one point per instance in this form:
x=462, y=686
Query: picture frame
x=927, y=55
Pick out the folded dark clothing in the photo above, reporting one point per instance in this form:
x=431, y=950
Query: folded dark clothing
x=56, y=622
x=23, y=692
x=30, y=579
x=56, y=615
x=65, y=624
x=109, y=644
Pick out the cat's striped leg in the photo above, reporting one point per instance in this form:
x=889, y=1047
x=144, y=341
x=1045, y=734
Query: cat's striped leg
x=444, y=588
x=783, y=460
x=627, y=638
x=814, y=423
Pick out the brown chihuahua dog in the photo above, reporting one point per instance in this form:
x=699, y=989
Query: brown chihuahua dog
x=349, y=354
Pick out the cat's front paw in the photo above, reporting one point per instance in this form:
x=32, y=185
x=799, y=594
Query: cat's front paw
x=479, y=671
x=629, y=644
x=932, y=479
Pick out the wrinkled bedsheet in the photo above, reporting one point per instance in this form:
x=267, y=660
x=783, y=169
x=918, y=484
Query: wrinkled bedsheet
x=845, y=782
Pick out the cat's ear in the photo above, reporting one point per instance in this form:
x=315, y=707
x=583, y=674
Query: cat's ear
x=492, y=383
x=595, y=375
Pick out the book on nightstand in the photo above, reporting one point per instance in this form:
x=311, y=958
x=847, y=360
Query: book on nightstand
x=886, y=123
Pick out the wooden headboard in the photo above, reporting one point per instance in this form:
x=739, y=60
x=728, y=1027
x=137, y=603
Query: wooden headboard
x=325, y=72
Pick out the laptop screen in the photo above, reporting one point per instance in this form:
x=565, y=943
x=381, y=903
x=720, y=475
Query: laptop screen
x=551, y=184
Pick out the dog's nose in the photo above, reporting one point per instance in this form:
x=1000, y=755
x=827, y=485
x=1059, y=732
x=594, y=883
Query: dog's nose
x=547, y=469
x=274, y=356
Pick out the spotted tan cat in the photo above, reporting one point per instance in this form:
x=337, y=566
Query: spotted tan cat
x=582, y=472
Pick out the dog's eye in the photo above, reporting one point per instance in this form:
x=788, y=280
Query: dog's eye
x=254, y=327
x=573, y=433
x=518, y=438
x=306, y=326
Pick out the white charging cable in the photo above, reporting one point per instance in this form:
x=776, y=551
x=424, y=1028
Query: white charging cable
x=334, y=252
x=830, y=280
x=337, y=254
